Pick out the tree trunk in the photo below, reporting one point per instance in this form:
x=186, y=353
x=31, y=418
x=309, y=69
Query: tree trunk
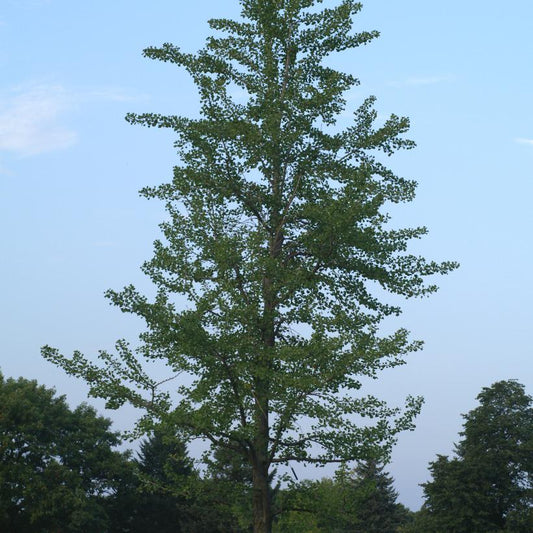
x=261, y=498
x=262, y=505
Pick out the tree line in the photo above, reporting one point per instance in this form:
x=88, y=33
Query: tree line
x=62, y=470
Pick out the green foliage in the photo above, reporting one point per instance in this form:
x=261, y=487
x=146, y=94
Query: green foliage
x=160, y=492
x=377, y=509
x=419, y=522
x=488, y=487
x=228, y=487
x=358, y=501
x=56, y=465
x=276, y=248
x=301, y=504
x=163, y=461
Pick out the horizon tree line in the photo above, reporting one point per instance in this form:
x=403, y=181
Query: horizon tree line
x=61, y=470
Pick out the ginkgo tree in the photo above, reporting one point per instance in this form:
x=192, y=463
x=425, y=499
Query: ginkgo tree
x=276, y=253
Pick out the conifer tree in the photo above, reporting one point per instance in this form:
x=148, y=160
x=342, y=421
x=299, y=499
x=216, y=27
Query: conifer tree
x=276, y=240
x=377, y=508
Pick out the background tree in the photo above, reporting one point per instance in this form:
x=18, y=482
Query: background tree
x=276, y=238
x=419, y=522
x=488, y=486
x=377, y=510
x=227, y=486
x=57, y=466
x=360, y=500
x=301, y=504
x=165, y=493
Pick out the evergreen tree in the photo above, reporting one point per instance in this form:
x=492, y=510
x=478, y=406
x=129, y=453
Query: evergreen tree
x=276, y=238
x=229, y=484
x=163, y=492
x=377, y=510
x=162, y=459
x=164, y=468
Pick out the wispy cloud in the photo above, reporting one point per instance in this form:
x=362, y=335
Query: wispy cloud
x=34, y=119
x=423, y=80
x=524, y=141
x=30, y=121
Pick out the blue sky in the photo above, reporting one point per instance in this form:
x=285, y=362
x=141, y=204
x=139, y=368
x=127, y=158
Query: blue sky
x=70, y=168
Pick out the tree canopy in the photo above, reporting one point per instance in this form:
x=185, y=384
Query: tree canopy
x=275, y=254
x=488, y=486
x=361, y=500
x=56, y=464
x=164, y=492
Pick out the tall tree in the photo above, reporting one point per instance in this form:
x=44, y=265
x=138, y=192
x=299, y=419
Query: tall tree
x=488, y=486
x=276, y=241
x=57, y=466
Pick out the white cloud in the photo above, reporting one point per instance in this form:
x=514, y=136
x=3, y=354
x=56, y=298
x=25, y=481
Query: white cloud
x=33, y=118
x=424, y=80
x=29, y=121
x=524, y=141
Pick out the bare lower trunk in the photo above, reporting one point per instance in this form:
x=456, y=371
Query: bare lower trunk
x=262, y=505
x=261, y=498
